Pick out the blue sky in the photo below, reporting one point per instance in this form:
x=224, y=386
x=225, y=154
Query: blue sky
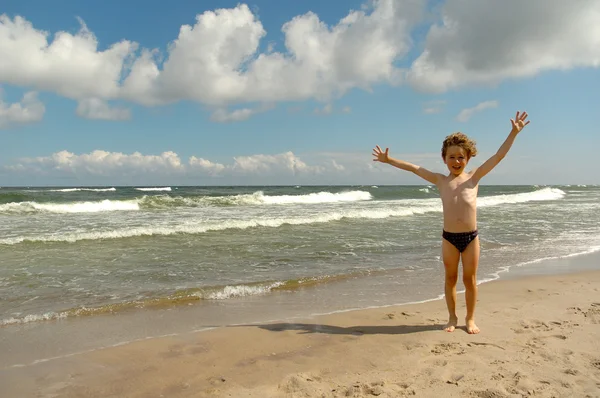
x=271, y=92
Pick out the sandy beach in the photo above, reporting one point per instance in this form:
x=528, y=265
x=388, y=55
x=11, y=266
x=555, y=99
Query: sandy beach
x=540, y=337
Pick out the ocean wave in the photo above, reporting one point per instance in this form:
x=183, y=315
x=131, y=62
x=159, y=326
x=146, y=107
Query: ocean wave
x=256, y=198
x=82, y=189
x=75, y=207
x=399, y=208
x=184, y=296
x=543, y=194
x=197, y=227
x=168, y=189
x=166, y=201
x=13, y=197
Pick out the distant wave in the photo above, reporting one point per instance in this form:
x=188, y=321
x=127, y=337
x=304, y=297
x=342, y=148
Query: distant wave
x=83, y=189
x=166, y=201
x=319, y=197
x=168, y=189
x=257, y=198
x=400, y=208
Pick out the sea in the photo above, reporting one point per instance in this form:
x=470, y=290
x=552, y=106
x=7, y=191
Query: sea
x=235, y=254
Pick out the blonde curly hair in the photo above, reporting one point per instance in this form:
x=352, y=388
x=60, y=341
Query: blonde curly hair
x=461, y=140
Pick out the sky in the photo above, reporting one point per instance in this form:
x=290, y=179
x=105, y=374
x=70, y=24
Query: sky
x=272, y=92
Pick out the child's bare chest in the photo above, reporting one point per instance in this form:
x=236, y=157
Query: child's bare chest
x=459, y=193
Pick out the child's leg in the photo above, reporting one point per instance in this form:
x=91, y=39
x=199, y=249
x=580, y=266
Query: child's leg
x=451, y=257
x=470, y=261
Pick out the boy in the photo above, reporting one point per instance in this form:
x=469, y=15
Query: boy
x=458, y=191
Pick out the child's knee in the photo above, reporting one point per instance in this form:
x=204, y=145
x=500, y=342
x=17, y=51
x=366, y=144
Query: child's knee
x=451, y=278
x=470, y=280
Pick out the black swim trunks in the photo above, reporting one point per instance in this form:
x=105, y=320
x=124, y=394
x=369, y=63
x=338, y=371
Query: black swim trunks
x=460, y=240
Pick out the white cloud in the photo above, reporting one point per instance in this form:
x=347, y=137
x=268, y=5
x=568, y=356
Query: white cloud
x=223, y=115
x=70, y=65
x=100, y=163
x=467, y=113
x=29, y=110
x=328, y=109
x=95, y=108
x=257, y=164
x=433, y=107
x=487, y=41
x=115, y=166
x=337, y=166
x=217, y=61
x=206, y=166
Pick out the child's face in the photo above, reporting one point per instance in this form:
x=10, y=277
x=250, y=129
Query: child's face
x=456, y=159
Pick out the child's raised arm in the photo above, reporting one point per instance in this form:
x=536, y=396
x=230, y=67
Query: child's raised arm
x=517, y=125
x=383, y=157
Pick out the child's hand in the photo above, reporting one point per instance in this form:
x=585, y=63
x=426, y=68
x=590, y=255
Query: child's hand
x=380, y=156
x=519, y=122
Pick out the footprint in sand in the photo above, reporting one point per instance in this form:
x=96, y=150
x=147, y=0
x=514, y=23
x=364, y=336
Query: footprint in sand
x=534, y=325
x=448, y=348
x=489, y=393
x=592, y=314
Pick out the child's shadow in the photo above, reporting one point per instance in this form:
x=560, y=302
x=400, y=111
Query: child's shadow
x=353, y=330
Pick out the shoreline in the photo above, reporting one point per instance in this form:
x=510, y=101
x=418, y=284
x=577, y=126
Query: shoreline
x=27, y=344
x=287, y=348
x=188, y=296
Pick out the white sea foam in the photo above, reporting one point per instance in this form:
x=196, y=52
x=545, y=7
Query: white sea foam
x=197, y=227
x=225, y=293
x=538, y=195
x=83, y=189
x=319, y=197
x=259, y=198
x=167, y=189
x=242, y=291
x=32, y=318
x=76, y=207
x=398, y=208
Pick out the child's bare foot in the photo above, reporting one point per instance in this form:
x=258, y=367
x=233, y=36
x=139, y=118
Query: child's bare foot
x=471, y=327
x=451, y=325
